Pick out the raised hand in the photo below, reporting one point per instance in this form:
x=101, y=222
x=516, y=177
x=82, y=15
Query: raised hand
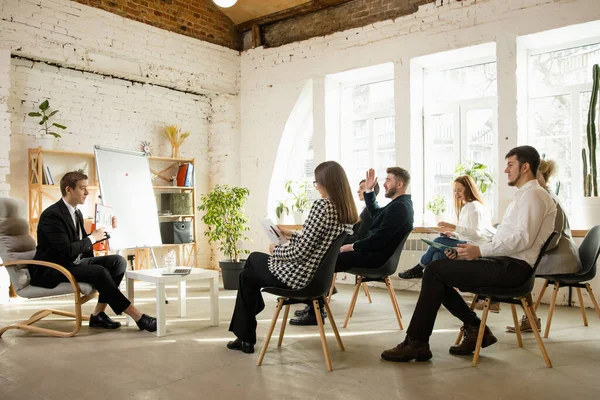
x=371, y=180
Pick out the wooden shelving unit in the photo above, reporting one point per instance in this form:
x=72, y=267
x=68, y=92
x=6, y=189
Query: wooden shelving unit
x=161, y=168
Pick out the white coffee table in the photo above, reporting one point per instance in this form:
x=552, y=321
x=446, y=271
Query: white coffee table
x=155, y=276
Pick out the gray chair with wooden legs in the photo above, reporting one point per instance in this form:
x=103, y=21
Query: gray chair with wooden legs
x=381, y=274
x=17, y=249
x=588, y=255
x=314, y=292
x=513, y=296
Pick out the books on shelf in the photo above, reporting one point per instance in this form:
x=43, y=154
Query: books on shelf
x=185, y=175
x=47, y=178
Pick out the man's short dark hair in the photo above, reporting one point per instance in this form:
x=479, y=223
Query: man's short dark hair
x=526, y=154
x=400, y=174
x=375, y=188
x=70, y=180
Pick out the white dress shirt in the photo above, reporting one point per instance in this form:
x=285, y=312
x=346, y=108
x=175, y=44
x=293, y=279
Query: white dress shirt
x=527, y=223
x=474, y=223
x=74, y=218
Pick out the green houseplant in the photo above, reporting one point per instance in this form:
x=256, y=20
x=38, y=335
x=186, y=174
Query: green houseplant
x=590, y=172
x=226, y=225
x=437, y=205
x=299, y=196
x=479, y=172
x=281, y=210
x=46, y=124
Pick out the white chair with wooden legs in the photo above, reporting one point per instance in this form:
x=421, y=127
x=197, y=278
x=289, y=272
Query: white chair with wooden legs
x=513, y=296
x=380, y=274
x=314, y=292
x=17, y=249
x=588, y=255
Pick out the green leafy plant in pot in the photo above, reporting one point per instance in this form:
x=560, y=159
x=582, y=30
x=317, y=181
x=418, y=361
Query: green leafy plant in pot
x=48, y=127
x=437, y=205
x=300, y=202
x=479, y=172
x=226, y=225
x=281, y=210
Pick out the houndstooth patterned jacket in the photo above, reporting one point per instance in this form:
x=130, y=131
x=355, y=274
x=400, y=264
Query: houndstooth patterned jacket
x=296, y=263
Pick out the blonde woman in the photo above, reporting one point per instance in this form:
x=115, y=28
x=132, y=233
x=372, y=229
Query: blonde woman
x=474, y=225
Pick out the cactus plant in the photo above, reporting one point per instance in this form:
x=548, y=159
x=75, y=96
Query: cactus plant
x=590, y=177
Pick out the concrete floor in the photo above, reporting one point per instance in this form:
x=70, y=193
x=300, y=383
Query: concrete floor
x=192, y=362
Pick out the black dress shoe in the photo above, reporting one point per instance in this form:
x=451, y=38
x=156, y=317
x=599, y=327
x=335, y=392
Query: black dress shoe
x=415, y=272
x=103, y=321
x=237, y=344
x=146, y=323
x=307, y=319
x=299, y=313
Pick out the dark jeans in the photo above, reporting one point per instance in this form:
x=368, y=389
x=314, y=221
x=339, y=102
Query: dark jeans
x=433, y=254
x=442, y=276
x=105, y=275
x=249, y=302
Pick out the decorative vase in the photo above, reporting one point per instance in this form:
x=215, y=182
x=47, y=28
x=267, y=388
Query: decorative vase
x=439, y=218
x=299, y=217
x=46, y=142
x=175, y=152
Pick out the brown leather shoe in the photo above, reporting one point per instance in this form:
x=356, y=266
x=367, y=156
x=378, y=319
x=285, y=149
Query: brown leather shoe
x=467, y=346
x=408, y=350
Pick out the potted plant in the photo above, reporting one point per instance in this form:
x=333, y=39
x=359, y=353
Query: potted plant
x=300, y=202
x=225, y=225
x=479, y=172
x=46, y=138
x=589, y=210
x=281, y=211
x=437, y=206
x=175, y=137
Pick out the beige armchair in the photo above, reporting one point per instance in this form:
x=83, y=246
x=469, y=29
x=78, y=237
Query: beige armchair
x=17, y=249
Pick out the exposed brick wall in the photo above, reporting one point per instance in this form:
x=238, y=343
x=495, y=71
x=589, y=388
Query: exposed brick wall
x=199, y=19
x=349, y=15
x=4, y=121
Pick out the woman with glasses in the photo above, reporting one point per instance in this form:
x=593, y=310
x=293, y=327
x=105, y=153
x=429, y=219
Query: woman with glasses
x=474, y=225
x=292, y=266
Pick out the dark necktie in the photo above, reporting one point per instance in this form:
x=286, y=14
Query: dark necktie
x=78, y=218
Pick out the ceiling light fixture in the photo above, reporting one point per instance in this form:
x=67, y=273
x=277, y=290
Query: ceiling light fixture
x=225, y=3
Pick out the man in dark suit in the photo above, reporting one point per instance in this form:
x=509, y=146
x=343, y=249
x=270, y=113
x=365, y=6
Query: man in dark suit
x=390, y=224
x=62, y=240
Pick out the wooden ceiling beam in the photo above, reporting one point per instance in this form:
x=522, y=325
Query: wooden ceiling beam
x=302, y=9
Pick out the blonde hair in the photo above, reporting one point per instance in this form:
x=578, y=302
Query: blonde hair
x=546, y=170
x=471, y=192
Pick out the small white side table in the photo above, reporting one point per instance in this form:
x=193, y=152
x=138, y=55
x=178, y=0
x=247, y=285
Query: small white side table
x=155, y=276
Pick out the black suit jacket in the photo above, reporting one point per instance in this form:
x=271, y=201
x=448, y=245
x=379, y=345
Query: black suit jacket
x=361, y=228
x=58, y=241
x=390, y=225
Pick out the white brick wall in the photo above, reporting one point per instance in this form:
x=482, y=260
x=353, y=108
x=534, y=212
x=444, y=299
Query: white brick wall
x=116, y=82
x=270, y=77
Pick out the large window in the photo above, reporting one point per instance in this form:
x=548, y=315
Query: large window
x=368, y=134
x=559, y=88
x=459, y=126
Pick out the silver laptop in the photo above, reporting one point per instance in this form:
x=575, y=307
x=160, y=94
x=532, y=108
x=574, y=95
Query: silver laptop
x=178, y=270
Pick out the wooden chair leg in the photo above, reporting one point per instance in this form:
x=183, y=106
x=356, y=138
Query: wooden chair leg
x=353, y=301
x=594, y=302
x=517, y=326
x=331, y=288
x=367, y=293
x=534, y=327
x=270, y=333
x=551, y=311
x=333, y=325
x=582, y=307
x=539, y=299
x=486, y=310
x=322, y=332
x=390, y=288
x=460, y=333
x=283, y=324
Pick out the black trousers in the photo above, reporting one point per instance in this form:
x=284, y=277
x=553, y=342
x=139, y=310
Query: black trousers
x=249, y=301
x=104, y=273
x=442, y=276
x=359, y=259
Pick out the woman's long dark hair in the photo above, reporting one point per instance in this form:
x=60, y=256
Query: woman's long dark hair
x=332, y=177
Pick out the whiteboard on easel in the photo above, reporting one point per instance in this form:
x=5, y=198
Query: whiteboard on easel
x=126, y=186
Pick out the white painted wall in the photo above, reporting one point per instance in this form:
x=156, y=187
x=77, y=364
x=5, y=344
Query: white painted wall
x=271, y=77
x=116, y=82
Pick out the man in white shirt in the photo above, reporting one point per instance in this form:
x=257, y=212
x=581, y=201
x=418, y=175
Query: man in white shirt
x=504, y=262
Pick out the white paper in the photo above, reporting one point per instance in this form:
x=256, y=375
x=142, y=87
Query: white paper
x=273, y=232
x=104, y=217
